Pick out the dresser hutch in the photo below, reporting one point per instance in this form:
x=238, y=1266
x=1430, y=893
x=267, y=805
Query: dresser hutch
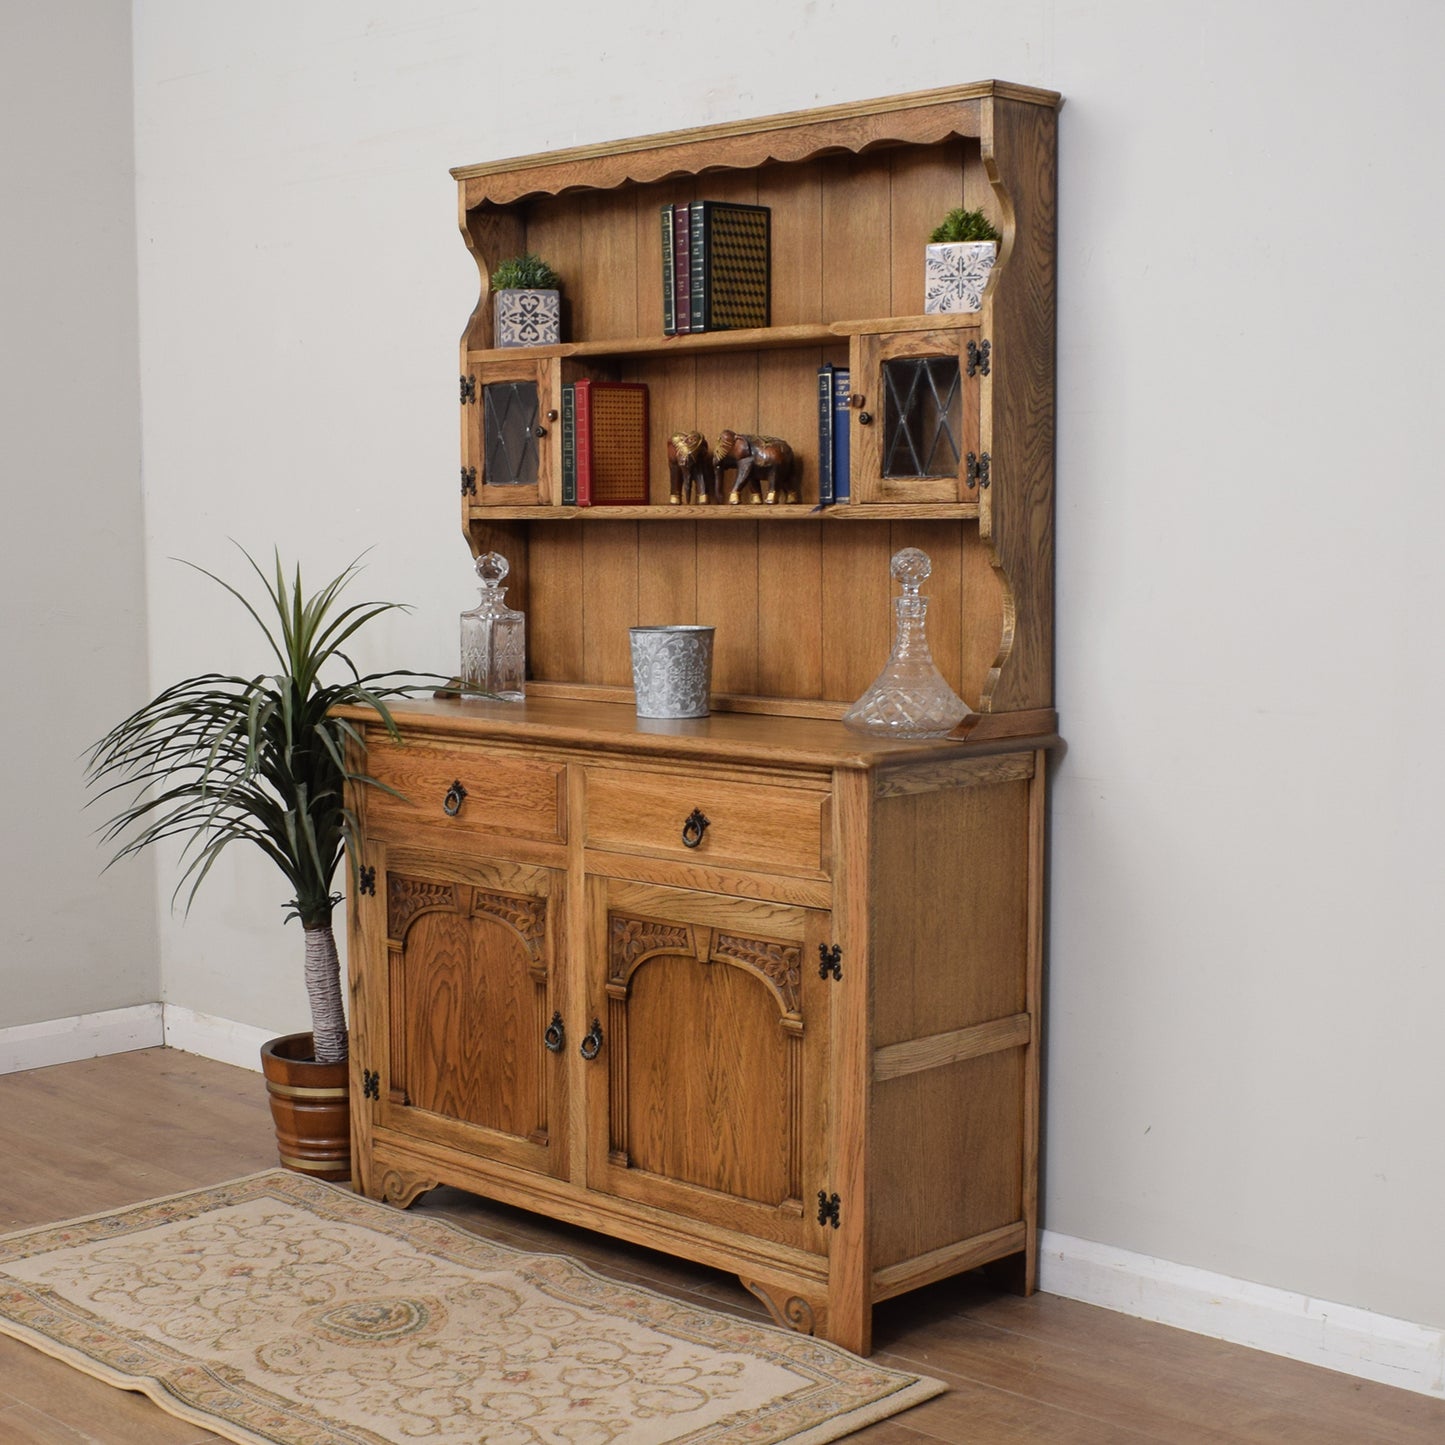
x=800, y=1043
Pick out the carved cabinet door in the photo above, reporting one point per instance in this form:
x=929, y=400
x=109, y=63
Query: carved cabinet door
x=707, y=1084
x=473, y=993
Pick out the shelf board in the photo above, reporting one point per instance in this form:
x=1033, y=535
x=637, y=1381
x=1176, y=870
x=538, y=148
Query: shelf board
x=763, y=338
x=721, y=513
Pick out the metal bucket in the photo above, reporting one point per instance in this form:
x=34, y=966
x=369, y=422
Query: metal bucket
x=672, y=670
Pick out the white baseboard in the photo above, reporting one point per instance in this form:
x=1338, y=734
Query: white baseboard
x=1339, y=1337
x=82, y=1036
x=215, y=1038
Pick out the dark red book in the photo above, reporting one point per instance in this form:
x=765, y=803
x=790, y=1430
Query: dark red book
x=612, y=469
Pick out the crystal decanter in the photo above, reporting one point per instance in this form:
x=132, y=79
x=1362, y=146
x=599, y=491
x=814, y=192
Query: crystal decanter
x=909, y=698
x=494, y=637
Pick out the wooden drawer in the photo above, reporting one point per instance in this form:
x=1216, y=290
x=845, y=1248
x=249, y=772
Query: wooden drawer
x=756, y=826
x=502, y=793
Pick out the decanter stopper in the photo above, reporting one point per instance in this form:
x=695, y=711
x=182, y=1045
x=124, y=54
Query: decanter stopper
x=909, y=698
x=494, y=646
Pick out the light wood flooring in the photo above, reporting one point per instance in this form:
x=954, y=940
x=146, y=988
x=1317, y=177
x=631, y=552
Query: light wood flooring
x=80, y=1138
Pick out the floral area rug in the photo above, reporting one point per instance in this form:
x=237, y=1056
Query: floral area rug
x=279, y=1310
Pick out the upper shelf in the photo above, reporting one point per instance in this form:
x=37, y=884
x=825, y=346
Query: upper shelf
x=769, y=338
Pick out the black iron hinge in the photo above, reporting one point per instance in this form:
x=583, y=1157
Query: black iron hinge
x=830, y=961
x=469, y=387
x=469, y=481
x=829, y=1208
x=370, y=1084
x=978, y=357
x=367, y=881
x=976, y=469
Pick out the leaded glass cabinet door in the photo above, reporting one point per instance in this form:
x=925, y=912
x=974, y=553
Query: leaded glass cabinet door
x=509, y=432
x=915, y=434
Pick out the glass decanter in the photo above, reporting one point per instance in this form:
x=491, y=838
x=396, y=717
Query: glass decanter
x=494, y=637
x=909, y=698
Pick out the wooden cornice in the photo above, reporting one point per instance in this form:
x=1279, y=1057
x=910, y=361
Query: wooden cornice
x=922, y=118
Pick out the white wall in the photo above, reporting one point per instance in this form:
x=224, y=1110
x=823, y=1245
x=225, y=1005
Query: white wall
x=72, y=594
x=1244, y=1069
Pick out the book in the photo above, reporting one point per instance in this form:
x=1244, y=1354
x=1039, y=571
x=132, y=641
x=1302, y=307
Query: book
x=842, y=393
x=569, y=444
x=669, y=287
x=681, y=262
x=729, y=265
x=825, y=434
x=611, y=444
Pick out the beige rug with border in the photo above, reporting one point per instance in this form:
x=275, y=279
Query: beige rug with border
x=279, y=1310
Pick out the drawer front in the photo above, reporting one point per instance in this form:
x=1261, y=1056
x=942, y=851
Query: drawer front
x=469, y=789
x=754, y=826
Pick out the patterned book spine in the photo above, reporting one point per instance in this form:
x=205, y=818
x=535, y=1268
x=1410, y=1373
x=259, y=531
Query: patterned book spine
x=569, y=444
x=669, y=281
x=731, y=266
x=842, y=390
x=825, y=434
x=582, y=392
x=618, y=427
x=681, y=273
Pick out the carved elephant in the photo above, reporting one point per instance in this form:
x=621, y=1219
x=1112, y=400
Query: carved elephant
x=756, y=458
x=690, y=475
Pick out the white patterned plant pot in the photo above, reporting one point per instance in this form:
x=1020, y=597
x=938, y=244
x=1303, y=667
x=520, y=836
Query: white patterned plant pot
x=955, y=273
x=528, y=318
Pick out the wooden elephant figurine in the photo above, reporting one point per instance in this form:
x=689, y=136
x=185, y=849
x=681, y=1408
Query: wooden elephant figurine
x=756, y=458
x=690, y=475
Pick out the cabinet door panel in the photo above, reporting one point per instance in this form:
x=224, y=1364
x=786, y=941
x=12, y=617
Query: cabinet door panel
x=472, y=988
x=708, y=1096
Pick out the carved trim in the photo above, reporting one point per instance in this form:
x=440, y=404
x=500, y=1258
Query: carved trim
x=633, y=939
x=526, y=916
x=403, y=1188
x=778, y=963
x=407, y=897
x=792, y=1312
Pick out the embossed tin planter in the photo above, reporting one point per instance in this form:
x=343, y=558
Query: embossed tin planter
x=528, y=318
x=955, y=274
x=672, y=670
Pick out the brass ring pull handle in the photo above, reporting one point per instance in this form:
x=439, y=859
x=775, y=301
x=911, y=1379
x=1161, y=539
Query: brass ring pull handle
x=555, y=1036
x=452, y=803
x=694, y=828
x=591, y=1046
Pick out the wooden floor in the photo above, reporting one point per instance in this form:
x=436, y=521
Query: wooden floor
x=80, y=1138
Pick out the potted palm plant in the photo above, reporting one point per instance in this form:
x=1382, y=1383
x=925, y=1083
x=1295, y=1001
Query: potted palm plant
x=527, y=294
x=263, y=759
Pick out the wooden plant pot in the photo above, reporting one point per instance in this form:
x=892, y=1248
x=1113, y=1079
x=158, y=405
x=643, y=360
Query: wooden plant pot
x=310, y=1106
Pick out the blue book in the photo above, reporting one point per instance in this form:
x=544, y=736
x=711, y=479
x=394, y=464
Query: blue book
x=842, y=391
x=825, y=434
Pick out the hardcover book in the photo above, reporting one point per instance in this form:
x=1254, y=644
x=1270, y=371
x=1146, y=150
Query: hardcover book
x=842, y=392
x=569, y=444
x=681, y=269
x=611, y=443
x=825, y=434
x=730, y=265
x=669, y=287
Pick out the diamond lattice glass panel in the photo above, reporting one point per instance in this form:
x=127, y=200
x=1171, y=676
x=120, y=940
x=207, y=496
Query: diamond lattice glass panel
x=922, y=416
x=509, y=420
